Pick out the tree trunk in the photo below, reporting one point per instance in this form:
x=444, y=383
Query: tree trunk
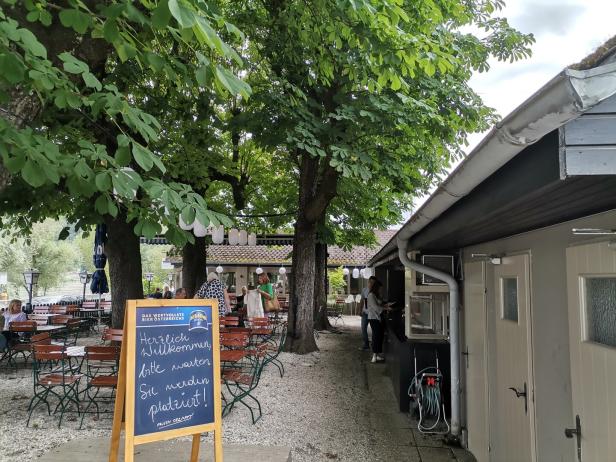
x=300, y=338
x=124, y=258
x=321, y=321
x=317, y=187
x=194, y=271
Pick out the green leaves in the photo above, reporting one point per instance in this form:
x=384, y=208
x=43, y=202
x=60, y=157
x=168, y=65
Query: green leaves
x=142, y=156
x=33, y=174
x=185, y=17
x=31, y=44
x=234, y=85
x=72, y=64
x=13, y=70
x=75, y=19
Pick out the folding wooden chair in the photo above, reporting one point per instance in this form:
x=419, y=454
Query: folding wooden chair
x=40, y=309
x=19, y=340
x=242, y=378
x=112, y=337
x=57, y=309
x=229, y=321
x=59, y=382
x=102, y=363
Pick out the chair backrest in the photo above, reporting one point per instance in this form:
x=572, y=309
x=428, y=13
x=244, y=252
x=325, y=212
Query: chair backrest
x=40, y=319
x=60, y=319
x=45, y=352
x=113, y=335
x=89, y=304
x=44, y=338
x=73, y=323
x=57, y=309
x=22, y=326
x=230, y=321
x=71, y=309
x=41, y=309
x=102, y=353
x=106, y=306
x=234, y=339
x=259, y=322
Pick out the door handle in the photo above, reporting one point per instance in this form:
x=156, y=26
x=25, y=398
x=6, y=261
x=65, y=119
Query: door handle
x=522, y=394
x=577, y=431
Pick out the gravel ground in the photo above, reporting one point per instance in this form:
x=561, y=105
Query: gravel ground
x=320, y=409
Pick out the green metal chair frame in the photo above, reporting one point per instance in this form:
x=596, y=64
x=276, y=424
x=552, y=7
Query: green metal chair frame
x=240, y=382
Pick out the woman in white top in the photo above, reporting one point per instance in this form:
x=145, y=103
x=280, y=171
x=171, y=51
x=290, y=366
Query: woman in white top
x=13, y=313
x=375, y=307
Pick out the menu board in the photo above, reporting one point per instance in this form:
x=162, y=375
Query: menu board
x=173, y=368
x=169, y=378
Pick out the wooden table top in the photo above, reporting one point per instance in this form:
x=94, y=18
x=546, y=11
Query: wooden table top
x=49, y=328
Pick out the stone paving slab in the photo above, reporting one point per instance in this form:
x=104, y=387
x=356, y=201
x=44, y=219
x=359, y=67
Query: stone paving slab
x=97, y=450
x=406, y=442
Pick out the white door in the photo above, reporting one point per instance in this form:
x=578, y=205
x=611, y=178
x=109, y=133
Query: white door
x=476, y=382
x=591, y=285
x=512, y=435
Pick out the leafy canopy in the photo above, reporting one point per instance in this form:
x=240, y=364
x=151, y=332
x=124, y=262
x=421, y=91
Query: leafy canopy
x=92, y=141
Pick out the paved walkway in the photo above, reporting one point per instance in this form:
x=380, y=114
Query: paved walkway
x=393, y=430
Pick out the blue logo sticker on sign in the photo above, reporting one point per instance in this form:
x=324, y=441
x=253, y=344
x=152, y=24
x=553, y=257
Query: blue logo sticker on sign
x=173, y=368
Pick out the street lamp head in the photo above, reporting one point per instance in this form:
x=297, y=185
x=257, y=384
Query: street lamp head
x=84, y=276
x=31, y=277
x=149, y=277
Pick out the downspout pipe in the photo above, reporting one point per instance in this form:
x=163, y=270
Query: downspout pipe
x=454, y=328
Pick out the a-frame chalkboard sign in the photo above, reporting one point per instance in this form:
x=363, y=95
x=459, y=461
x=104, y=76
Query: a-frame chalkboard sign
x=169, y=378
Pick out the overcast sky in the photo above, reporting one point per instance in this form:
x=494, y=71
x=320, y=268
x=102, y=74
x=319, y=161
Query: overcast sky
x=565, y=32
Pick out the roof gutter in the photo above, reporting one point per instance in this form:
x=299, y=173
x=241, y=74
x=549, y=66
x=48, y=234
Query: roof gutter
x=562, y=99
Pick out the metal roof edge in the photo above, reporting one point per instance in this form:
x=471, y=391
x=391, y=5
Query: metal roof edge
x=565, y=97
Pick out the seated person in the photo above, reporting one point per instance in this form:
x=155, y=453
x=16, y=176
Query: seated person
x=13, y=313
x=181, y=293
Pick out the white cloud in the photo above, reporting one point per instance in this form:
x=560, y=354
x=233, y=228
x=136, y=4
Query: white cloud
x=566, y=32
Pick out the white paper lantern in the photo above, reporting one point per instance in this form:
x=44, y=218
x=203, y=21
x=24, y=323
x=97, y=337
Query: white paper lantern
x=355, y=273
x=252, y=239
x=218, y=236
x=361, y=272
x=345, y=271
x=198, y=229
x=219, y=269
x=367, y=273
x=185, y=226
x=358, y=298
x=349, y=299
x=234, y=236
x=282, y=270
x=259, y=270
x=243, y=237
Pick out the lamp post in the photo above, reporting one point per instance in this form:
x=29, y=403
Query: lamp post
x=30, y=279
x=149, y=277
x=84, y=278
x=170, y=279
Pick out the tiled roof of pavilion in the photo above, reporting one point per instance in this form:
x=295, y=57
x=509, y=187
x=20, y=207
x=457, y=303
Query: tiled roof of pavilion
x=281, y=254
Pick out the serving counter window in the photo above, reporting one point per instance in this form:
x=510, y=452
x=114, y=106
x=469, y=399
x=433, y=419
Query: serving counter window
x=428, y=316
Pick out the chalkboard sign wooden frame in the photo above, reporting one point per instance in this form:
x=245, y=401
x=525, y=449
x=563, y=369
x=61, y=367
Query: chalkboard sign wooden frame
x=126, y=388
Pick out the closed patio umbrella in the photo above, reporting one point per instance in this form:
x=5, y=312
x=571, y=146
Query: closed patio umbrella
x=99, y=283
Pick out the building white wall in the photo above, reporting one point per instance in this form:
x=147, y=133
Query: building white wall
x=552, y=393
